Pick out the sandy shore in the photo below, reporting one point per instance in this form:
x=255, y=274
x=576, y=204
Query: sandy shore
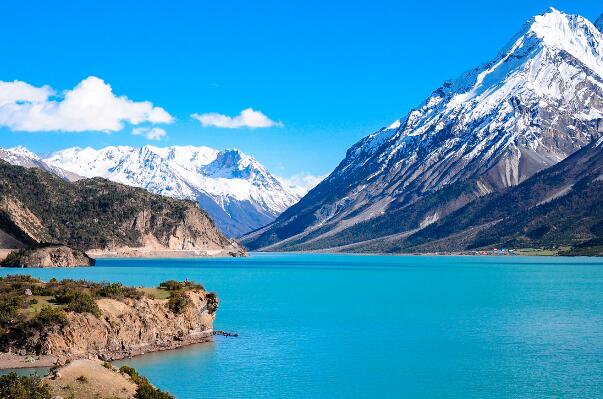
x=14, y=361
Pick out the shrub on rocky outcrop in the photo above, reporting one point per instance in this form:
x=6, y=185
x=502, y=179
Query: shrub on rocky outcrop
x=118, y=291
x=145, y=390
x=173, y=285
x=78, y=302
x=178, y=302
x=48, y=318
x=212, y=302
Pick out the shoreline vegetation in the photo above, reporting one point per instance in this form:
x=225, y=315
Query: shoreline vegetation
x=81, y=379
x=45, y=324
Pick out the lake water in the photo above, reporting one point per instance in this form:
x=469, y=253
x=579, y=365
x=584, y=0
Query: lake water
x=337, y=326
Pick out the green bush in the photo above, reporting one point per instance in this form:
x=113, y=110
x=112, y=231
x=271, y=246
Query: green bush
x=173, y=285
x=117, y=291
x=83, y=303
x=78, y=302
x=212, y=302
x=113, y=290
x=178, y=302
x=47, y=318
x=8, y=312
x=13, y=386
x=144, y=388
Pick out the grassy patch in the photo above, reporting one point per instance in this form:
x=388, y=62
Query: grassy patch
x=156, y=293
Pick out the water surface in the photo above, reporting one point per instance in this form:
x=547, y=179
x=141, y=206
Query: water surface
x=338, y=326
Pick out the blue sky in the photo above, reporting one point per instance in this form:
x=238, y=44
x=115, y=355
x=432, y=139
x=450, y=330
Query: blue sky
x=327, y=73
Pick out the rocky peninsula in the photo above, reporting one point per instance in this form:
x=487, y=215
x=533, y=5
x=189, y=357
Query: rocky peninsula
x=43, y=324
x=50, y=255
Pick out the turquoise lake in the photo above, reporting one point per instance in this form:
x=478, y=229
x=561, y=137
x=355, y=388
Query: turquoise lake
x=338, y=326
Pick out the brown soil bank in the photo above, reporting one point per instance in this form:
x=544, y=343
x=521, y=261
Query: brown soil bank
x=77, y=319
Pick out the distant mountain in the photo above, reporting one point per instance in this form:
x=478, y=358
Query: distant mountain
x=538, y=101
x=237, y=191
x=599, y=23
x=21, y=156
x=37, y=207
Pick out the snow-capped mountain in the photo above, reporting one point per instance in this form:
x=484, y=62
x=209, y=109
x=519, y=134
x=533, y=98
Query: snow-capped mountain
x=21, y=156
x=538, y=101
x=236, y=190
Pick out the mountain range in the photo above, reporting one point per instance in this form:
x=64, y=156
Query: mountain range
x=492, y=129
x=237, y=191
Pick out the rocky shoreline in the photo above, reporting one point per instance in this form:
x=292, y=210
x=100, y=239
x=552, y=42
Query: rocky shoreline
x=61, y=321
x=17, y=361
x=47, y=255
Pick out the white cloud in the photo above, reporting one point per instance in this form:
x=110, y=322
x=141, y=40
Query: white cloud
x=13, y=92
x=151, y=133
x=247, y=118
x=302, y=182
x=90, y=106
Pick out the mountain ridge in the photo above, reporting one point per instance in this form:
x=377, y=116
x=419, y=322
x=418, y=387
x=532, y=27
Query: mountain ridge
x=97, y=215
x=238, y=192
x=538, y=101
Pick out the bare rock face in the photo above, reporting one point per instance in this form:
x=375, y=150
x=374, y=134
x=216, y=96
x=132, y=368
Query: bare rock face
x=48, y=256
x=126, y=328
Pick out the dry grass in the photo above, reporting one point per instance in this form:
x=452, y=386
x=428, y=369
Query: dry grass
x=89, y=379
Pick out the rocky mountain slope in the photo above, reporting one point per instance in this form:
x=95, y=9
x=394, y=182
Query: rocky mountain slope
x=561, y=206
x=237, y=191
x=538, y=101
x=96, y=214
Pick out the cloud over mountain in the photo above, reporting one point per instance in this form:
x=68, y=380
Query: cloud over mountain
x=248, y=118
x=89, y=106
x=151, y=133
